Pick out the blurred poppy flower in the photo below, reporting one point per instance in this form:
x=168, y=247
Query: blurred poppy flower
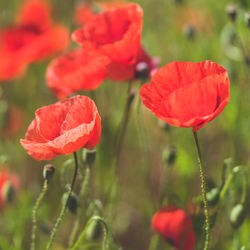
x=175, y=226
x=144, y=67
x=114, y=33
x=63, y=128
x=8, y=184
x=76, y=70
x=187, y=94
x=83, y=13
x=12, y=121
x=32, y=37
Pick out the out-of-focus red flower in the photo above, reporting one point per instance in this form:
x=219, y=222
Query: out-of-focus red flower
x=33, y=37
x=63, y=128
x=115, y=34
x=8, y=183
x=76, y=70
x=85, y=11
x=175, y=226
x=187, y=94
x=12, y=121
x=83, y=14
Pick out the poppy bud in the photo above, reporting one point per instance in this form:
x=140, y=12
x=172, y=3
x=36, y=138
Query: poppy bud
x=8, y=192
x=48, y=172
x=141, y=70
x=231, y=11
x=72, y=202
x=131, y=97
x=189, y=31
x=237, y=216
x=169, y=155
x=213, y=196
x=163, y=125
x=89, y=156
x=247, y=19
x=94, y=231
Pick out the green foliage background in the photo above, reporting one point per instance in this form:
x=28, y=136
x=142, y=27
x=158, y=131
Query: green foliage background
x=141, y=171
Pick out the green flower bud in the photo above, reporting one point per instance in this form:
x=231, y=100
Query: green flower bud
x=231, y=11
x=213, y=196
x=169, y=155
x=72, y=202
x=163, y=125
x=89, y=156
x=8, y=192
x=237, y=216
x=189, y=31
x=48, y=172
x=94, y=231
x=247, y=19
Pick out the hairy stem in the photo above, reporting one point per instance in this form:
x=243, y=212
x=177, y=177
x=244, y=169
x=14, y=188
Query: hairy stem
x=34, y=214
x=63, y=210
x=204, y=192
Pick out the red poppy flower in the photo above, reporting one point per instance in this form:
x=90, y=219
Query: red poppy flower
x=76, y=70
x=63, y=128
x=115, y=33
x=32, y=38
x=83, y=14
x=175, y=226
x=7, y=181
x=187, y=94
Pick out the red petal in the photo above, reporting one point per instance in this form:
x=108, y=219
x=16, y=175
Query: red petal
x=75, y=71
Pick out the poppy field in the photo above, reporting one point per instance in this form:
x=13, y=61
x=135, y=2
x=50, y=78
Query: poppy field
x=124, y=125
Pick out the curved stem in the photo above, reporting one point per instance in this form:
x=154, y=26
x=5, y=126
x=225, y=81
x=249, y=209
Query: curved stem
x=63, y=210
x=106, y=233
x=34, y=214
x=204, y=192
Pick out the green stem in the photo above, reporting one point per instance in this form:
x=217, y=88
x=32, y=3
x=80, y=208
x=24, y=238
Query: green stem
x=204, y=192
x=154, y=242
x=106, y=233
x=82, y=193
x=226, y=186
x=63, y=210
x=34, y=214
x=124, y=123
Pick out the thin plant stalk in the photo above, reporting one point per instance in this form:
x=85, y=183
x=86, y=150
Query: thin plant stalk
x=84, y=189
x=34, y=214
x=105, y=245
x=63, y=210
x=124, y=123
x=204, y=192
